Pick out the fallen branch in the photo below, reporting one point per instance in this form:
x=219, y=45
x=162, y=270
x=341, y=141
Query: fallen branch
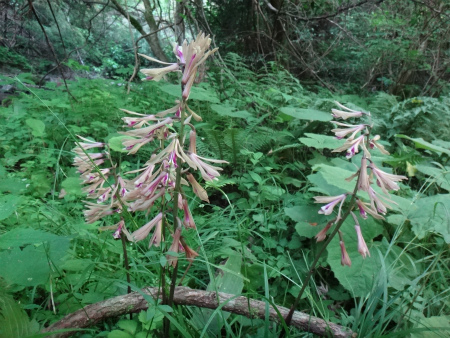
x=135, y=302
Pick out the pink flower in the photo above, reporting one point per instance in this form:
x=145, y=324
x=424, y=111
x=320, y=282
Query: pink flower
x=174, y=247
x=323, y=233
x=197, y=188
x=364, y=209
x=341, y=133
x=157, y=235
x=362, y=246
x=364, y=180
x=386, y=181
x=120, y=225
x=157, y=74
x=188, y=220
x=374, y=144
x=332, y=202
x=378, y=204
x=346, y=113
x=352, y=147
x=345, y=259
x=143, y=231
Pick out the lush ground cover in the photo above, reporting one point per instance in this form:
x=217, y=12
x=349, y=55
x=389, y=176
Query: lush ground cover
x=256, y=236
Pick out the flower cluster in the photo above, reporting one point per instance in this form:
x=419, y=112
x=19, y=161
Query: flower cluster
x=378, y=203
x=157, y=180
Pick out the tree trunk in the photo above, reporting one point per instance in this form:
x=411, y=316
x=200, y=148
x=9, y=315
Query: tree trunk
x=180, y=29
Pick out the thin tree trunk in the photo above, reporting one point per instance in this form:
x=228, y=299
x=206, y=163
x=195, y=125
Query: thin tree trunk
x=180, y=29
x=152, y=40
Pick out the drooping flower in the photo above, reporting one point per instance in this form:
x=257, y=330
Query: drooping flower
x=174, y=247
x=343, y=132
x=120, y=225
x=365, y=209
x=373, y=143
x=157, y=235
x=188, y=220
x=377, y=203
x=323, y=233
x=386, y=181
x=197, y=188
x=364, y=180
x=352, y=147
x=346, y=113
x=345, y=258
x=143, y=231
x=190, y=253
x=332, y=202
x=362, y=246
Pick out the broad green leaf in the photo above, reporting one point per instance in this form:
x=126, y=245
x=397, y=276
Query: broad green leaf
x=14, y=321
x=223, y=110
x=436, y=327
x=8, y=204
x=37, y=127
x=422, y=144
x=197, y=93
x=228, y=280
x=432, y=214
x=119, y=334
x=319, y=141
x=12, y=185
x=33, y=264
x=440, y=176
x=306, y=114
x=116, y=143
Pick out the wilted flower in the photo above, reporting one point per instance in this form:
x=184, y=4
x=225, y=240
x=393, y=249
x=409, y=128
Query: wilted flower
x=190, y=253
x=362, y=246
x=174, y=247
x=345, y=259
x=373, y=143
x=197, y=188
x=323, y=233
x=378, y=204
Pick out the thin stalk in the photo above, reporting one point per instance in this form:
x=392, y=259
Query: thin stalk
x=177, y=191
x=127, y=266
x=321, y=251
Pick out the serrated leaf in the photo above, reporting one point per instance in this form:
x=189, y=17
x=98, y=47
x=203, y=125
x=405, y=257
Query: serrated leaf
x=306, y=114
x=72, y=186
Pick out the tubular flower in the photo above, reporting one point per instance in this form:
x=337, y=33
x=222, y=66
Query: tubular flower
x=323, y=233
x=156, y=74
x=332, y=202
x=190, y=253
x=143, y=231
x=174, y=247
x=346, y=113
x=364, y=180
x=377, y=204
x=362, y=246
x=157, y=235
x=343, y=132
x=352, y=147
x=188, y=220
x=374, y=144
x=197, y=188
x=386, y=181
x=345, y=258
x=365, y=209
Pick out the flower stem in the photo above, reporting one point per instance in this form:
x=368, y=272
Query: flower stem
x=316, y=260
